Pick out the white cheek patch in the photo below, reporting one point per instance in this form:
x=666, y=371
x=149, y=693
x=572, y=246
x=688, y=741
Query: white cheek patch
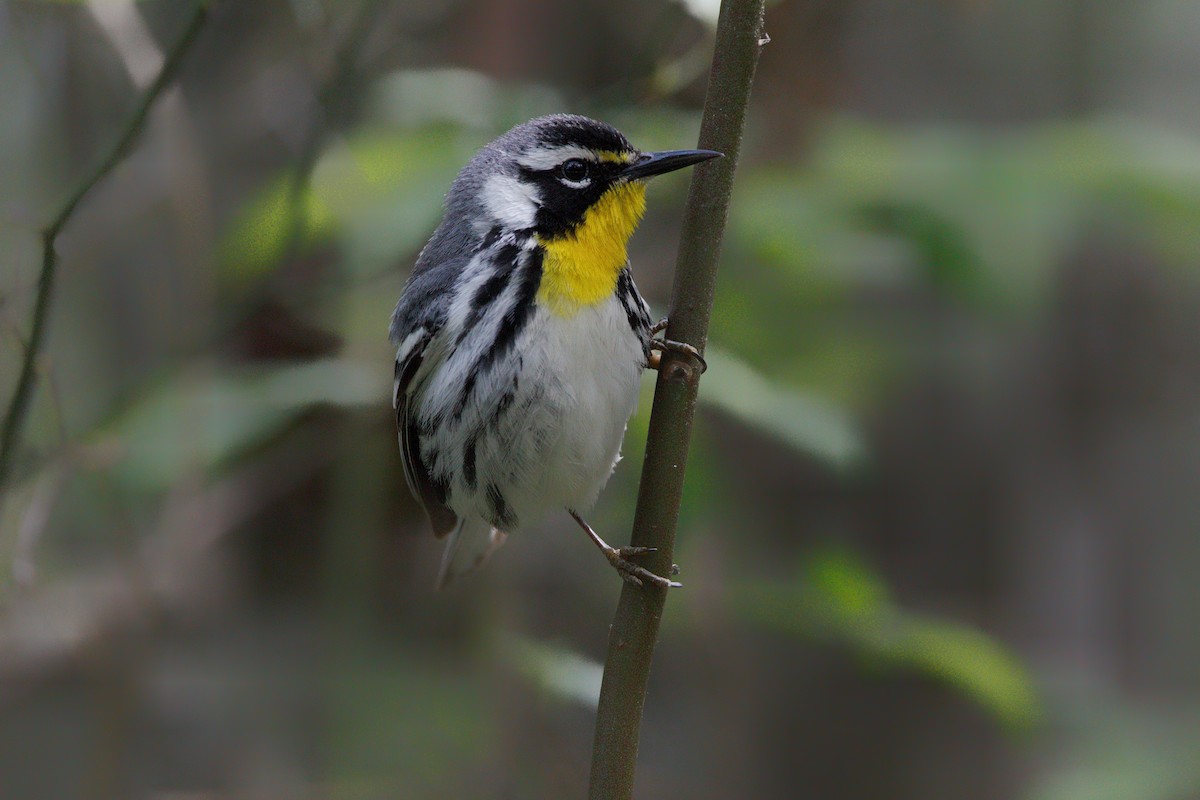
x=511, y=202
x=551, y=157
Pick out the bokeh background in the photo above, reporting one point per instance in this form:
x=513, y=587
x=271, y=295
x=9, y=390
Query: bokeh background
x=940, y=537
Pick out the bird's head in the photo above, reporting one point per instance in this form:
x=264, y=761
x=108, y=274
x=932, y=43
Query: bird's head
x=579, y=187
x=554, y=170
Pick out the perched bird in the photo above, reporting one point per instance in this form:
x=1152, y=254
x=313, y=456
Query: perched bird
x=521, y=336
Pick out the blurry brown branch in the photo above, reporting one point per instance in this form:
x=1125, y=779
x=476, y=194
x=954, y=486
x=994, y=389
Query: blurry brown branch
x=635, y=627
x=18, y=407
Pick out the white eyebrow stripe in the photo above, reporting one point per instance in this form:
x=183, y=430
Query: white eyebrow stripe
x=550, y=157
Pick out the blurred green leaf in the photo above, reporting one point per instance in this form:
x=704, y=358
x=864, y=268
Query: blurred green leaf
x=992, y=213
x=257, y=242
x=555, y=669
x=811, y=426
x=1122, y=749
x=379, y=193
x=949, y=261
x=838, y=598
x=966, y=658
x=200, y=418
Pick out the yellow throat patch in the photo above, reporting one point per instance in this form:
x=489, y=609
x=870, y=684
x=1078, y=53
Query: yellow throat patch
x=581, y=268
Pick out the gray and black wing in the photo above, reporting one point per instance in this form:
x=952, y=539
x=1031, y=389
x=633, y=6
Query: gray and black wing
x=430, y=492
x=417, y=330
x=416, y=324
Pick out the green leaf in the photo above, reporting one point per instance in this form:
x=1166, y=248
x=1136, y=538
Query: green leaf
x=992, y=213
x=948, y=261
x=197, y=420
x=839, y=599
x=965, y=658
x=379, y=193
x=1122, y=748
x=814, y=427
x=258, y=239
x=556, y=669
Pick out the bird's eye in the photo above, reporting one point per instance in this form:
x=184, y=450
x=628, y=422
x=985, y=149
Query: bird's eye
x=574, y=170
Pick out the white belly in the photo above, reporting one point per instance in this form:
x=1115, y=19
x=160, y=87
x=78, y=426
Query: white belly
x=594, y=360
x=558, y=433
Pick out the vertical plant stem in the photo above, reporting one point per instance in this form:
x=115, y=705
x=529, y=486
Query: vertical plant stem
x=635, y=627
x=18, y=407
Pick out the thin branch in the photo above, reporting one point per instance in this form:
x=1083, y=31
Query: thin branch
x=18, y=407
x=635, y=627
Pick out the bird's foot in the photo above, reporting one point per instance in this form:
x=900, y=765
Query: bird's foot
x=621, y=559
x=659, y=346
x=633, y=573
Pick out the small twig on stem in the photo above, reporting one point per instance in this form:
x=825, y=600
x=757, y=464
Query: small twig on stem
x=18, y=407
x=635, y=626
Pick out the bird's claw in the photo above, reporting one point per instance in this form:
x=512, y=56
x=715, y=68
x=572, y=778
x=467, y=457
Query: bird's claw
x=664, y=345
x=620, y=557
x=637, y=575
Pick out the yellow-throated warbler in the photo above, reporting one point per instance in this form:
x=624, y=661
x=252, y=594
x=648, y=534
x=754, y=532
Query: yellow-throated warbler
x=521, y=336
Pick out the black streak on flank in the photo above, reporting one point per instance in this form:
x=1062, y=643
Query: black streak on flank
x=468, y=387
x=518, y=314
x=469, y=463
x=625, y=295
x=502, y=515
x=506, y=401
x=510, y=326
x=505, y=264
x=492, y=237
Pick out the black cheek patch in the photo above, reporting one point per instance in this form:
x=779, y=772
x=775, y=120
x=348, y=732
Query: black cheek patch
x=563, y=208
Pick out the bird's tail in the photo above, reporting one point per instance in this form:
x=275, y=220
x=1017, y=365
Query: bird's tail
x=471, y=543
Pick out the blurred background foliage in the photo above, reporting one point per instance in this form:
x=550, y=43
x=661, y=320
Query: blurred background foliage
x=940, y=532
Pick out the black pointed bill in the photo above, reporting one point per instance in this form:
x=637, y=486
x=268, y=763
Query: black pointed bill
x=651, y=164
